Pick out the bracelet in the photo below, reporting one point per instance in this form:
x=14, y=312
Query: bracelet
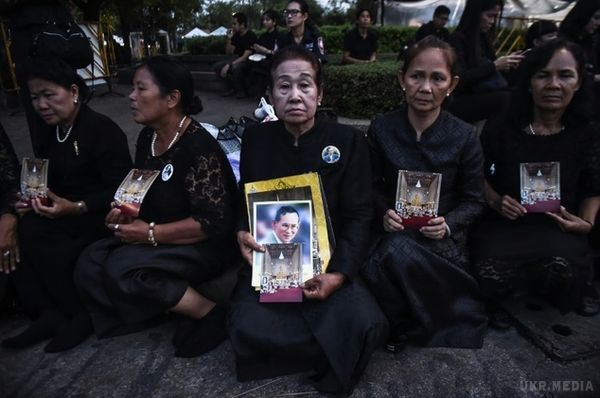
x=81, y=207
x=151, y=239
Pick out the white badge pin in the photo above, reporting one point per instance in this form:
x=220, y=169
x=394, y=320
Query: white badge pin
x=167, y=172
x=330, y=154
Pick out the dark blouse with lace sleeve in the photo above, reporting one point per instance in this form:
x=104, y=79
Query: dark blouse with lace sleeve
x=9, y=174
x=195, y=180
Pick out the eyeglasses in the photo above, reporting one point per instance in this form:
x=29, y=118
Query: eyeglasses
x=290, y=13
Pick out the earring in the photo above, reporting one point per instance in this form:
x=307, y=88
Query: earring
x=403, y=88
x=319, y=103
x=448, y=93
x=75, y=100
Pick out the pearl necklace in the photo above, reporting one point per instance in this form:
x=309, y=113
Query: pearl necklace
x=66, y=135
x=170, y=143
x=532, y=131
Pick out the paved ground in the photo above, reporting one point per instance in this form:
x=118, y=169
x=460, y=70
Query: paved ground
x=142, y=364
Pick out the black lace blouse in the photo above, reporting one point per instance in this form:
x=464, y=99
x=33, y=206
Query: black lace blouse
x=195, y=181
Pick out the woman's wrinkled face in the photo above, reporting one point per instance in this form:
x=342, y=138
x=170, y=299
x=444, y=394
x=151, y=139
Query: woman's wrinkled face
x=488, y=18
x=293, y=15
x=427, y=81
x=364, y=19
x=145, y=101
x=553, y=86
x=593, y=24
x=295, y=93
x=52, y=102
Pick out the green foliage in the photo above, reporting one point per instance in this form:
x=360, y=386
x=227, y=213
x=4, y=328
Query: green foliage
x=391, y=39
x=362, y=91
x=205, y=45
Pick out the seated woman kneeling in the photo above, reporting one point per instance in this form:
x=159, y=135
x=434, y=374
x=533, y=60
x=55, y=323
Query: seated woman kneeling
x=334, y=331
x=515, y=249
x=419, y=276
x=184, y=232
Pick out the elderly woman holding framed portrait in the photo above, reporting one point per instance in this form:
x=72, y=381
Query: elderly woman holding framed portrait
x=337, y=327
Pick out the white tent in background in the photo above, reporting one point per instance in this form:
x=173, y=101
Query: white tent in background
x=196, y=32
x=220, y=31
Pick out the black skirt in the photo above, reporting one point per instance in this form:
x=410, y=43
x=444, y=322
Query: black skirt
x=423, y=283
x=334, y=338
x=531, y=255
x=122, y=285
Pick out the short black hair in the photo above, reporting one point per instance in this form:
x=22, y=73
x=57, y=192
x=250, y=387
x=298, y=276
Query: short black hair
x=296, y=52
x=241, y=18
x=171, y=74
x=283, y=210
x=361, y=10
x=272, y=14
x=537, y=30
x=441, y=10
x=57, y=71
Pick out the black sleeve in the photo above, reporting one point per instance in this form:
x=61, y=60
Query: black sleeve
x=590, y=179
x=355, y=212
x=469, y=185
x=348, y=44
x=111, y=155
x=245, y=162
x=210, y=190
x=422, y=32
x=489, y=146
x=380, y=194
x=470, y=75
x=9, y=175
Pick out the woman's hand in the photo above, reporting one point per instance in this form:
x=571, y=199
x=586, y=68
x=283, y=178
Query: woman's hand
x=508, y=62
x=134, y=233
x=9, y=247
x=224, y=71
x=247, y=245
x=436, y=228
x=261, y=49
x=322, y=286
x=509, y=207
x=392, y=222
x=569, y=222
x=60, y=207
x=116, y=216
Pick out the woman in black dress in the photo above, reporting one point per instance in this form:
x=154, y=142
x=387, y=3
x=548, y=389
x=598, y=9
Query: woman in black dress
x=419, y=276
x=513, y=250
x=482, y=90
x=184, y=232
x=338, y=326
x=88, y=157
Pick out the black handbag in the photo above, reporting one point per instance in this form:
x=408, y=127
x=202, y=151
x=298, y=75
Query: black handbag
x=68, y=43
